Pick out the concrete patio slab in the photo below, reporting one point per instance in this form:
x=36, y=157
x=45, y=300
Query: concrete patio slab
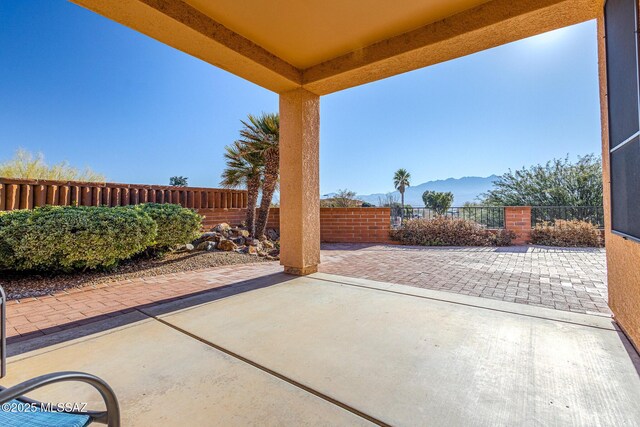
x=165, y=378
x=407, y=359
x=331, y=350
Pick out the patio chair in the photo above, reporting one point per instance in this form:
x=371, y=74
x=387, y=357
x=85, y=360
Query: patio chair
x=38, y=414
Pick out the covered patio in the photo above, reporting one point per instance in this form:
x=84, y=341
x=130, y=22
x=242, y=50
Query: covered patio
x=331, y=350
x=305, y=348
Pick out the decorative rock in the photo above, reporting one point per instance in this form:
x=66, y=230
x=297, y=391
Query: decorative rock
x=240, y=232
x=226, y=245
x=268, y=244
x=253, y=242
x=273, y=234
x=189, y=247
x=240, y=241
x=210, y=236
x=222, y=227
x=206, y=246
x=252, y=250
x=274, y=252
x=181, y=248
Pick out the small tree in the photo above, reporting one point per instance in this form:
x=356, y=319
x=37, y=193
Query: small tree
x=244, y=168
x=437, y=201
x=25, y=165
x=260, y=136
x=178, y=181
x=345, y=199
x=559, y=182
x=389, y=200
x=401, y=180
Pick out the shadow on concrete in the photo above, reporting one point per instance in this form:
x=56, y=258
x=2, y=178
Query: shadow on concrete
x=632, y=351
x=78, y=329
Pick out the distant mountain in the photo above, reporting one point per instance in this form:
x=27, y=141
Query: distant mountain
x=465, y=189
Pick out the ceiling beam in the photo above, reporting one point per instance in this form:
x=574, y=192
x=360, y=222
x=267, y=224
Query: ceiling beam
x=183, y=27
x=488, y=25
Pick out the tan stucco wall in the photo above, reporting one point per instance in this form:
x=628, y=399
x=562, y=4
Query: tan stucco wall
x=300, y=181
x=623, y=256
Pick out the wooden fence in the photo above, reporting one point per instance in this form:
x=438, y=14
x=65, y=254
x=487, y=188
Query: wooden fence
x=27, y=194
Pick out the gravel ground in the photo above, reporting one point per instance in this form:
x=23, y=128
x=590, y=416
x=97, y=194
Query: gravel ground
x=28, y=284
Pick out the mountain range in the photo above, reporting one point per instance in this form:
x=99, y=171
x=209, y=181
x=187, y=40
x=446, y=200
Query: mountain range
x=465, y=189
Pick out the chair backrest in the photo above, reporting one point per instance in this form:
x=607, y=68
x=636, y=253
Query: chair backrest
x=3, y=333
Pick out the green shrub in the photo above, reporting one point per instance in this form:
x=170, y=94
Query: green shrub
x=69, y=237
x=13, y=225
x=444, y=231
x=176, y=225
x=572, y=233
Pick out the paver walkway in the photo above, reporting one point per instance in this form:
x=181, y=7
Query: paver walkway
x=45, y=315
x=572, y=279
x=565, y=279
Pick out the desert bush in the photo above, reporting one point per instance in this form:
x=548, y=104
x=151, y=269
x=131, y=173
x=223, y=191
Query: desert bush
x=444, y=231
x=176, y=225
x=69, y=237
x=573, y=233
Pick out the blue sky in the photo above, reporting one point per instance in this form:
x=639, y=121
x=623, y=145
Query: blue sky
x=78, y=87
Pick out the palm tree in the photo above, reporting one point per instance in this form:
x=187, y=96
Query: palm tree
x=261, y=135
x=401, y=182
x=244, y=168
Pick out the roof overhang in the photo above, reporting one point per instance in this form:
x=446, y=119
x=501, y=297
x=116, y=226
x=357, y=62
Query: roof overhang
x=326, y=46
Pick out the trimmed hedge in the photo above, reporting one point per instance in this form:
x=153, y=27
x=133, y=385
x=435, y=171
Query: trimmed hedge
x=444, y=231
x=68, y=237
x=176, y=225
x=572, y=233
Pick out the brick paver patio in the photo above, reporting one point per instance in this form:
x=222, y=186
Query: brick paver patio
x=565, y=279
x=572, y=279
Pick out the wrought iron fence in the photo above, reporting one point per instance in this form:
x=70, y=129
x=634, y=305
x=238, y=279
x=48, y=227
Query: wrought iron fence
x=592, y=214
x=487, y=216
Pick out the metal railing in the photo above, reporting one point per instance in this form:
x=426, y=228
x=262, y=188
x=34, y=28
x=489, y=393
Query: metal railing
x=487, y=216
x=592, y=214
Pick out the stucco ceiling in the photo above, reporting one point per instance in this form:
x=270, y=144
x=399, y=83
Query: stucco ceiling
x=325, y=46
x=308, y=32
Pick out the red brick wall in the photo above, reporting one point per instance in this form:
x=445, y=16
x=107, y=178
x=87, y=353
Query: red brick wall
x=518, y=219
x=234, y=217
x=348, y=225
x=355, y=225
x=216, y=216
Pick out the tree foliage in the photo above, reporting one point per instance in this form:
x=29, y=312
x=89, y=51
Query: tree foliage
x=342, y=199
x=389, y=200
x=437, y=201
x=253, y=162
x=179, y=181
x=401, y=180
x=25, y=165
x=559, y=182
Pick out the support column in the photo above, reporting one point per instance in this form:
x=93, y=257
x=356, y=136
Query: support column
x=299, y=182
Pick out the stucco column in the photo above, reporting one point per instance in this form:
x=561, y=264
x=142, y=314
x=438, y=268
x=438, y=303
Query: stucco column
x=299, y=182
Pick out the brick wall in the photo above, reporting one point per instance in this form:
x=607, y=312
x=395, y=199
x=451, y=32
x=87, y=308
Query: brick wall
x=348, y=225
x=518, y=219
x=235, y=217
x=355, y=225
